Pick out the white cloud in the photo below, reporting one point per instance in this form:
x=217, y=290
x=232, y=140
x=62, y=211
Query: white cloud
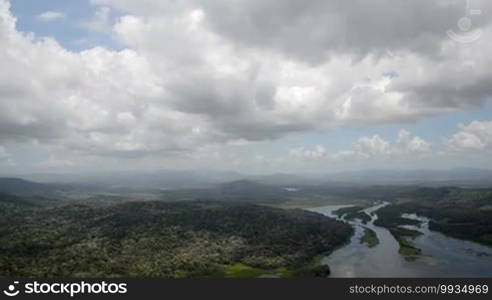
x=375, y=149
x=100, y=22
x=309, y=154
x=50, y=16
x=370, y=146
x=476, y=136
x=96, y=102
x=412, y=143
x=192, y=75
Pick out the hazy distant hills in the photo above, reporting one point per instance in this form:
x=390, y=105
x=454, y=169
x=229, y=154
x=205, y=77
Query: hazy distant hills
x=236, y=184
x=247, y=186
x=16, y=185
x=141, y=180
x=281, y=179
x=460, y=176
x=251, y=191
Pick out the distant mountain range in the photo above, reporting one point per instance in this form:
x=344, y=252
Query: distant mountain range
x=459, y=176
x=235, y=183
x=140, y=180
x=246, y=189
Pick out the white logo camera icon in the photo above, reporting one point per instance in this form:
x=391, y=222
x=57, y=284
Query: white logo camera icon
x=11, y=290
x=465, y=25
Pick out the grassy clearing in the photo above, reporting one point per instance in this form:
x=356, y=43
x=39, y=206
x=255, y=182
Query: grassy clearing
x=244, y=271
x=315, y=268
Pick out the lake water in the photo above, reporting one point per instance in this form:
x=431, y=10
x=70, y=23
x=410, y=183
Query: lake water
x=442, y=256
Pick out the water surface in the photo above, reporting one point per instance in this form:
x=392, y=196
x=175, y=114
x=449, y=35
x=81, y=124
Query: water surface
x=442, y=256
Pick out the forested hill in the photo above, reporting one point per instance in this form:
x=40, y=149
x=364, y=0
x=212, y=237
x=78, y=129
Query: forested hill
x=17, y=185
x=158, y=239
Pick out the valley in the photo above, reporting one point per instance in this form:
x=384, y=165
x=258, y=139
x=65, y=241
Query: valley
x=244, y=229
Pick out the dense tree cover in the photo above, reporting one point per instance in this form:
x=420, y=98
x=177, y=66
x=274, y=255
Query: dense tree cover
x=460, y=213
x=352, y=213
x=161, y=239
x=391, y=216
x=10, y=201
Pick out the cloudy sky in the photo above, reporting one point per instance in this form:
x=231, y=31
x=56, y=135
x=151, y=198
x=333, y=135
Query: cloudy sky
x=248, y=85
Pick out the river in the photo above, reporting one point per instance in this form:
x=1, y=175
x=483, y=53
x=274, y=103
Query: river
x=442, y=256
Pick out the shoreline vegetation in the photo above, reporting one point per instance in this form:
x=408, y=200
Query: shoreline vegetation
x=454, y=212
x=390, y=217
x=393, y=223
x=404, y=238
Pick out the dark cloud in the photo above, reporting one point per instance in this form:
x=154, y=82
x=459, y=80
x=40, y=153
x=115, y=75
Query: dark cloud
x=314, y=30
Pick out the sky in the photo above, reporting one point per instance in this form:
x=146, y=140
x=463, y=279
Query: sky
x=256, y=86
